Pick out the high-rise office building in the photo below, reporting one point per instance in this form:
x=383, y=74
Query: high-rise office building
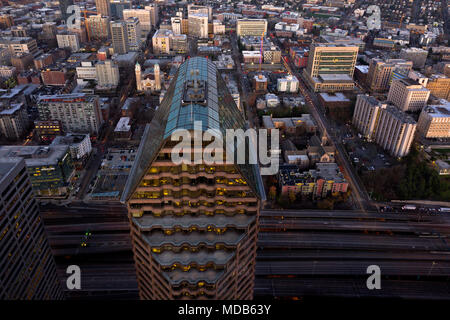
x=331, y=66
x=144, y=16
x=63, y=5
x=381, y=73
x=198, y=25
x=19, y=31
x=408, y=95
x=119, y=37
x=13, y=120
x=176, y=23
x=178, y=43
x=251, y=27
x=50, y=167
x=385, y=124
x=439, y=86
x=103, y=7
x=193, y=226
x=161, y=41
x=107, y=73
x=416, y=55
x=19, y=45
x=98, y=27
x=69, y=41
x=49, y=30
x=133, y=33
x=195, y=9
x=434, y=121
x=154, y=13
x=366, y=115
x=118, y=6
x=395, y=132
x=77, y=112
x=27, y=267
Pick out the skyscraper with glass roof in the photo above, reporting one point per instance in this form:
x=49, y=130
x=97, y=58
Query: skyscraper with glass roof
x=194, y=226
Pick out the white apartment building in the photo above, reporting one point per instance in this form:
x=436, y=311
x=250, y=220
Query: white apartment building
x=288, y=84
x=366, y=114
x=13, y=121
x=134, y=34
x=86, y=71
x=77, y=112
x=119, y=37
x=144, y=16
x=395, y=131
x=251, y=27
x=408, y=95
x=107, y=73
x=218, y=27
x=154, y=13
x=68, y=40
x=7, y=71
x=19, y=45
x=161, y=41
x=385, y=124
x=434, y=121
x=176, y=23
x=198, y=25
x=79, y=144
x=196, y=9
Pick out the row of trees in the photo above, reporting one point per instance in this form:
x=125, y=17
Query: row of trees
x=412, y=179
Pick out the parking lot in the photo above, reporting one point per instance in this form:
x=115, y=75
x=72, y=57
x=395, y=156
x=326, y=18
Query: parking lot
x=366, y=155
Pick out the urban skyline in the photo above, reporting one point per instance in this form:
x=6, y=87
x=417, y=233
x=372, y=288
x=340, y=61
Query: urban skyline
x=316, y=162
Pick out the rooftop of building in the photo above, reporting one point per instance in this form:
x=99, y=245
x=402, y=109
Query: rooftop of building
x=69, y=97
x=36, y=155
x=13, y=108
x=334, y=45
x=163, y=33
x=329, y=171
x=400, y=115
x=6, y=39
x=414, y=49
x=6, y=166
x=334, y=78
x=442, y=165
x=438, y=111
x=123, y=125
x=362, y=68
x=69, y=139
x=438, y=76
x=252, y=19
x=291, y=175
x=348, y=40
x=128, y=103
x=334, y=97
x=289, y=77
x=269, y=121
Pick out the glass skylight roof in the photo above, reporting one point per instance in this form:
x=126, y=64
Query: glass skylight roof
x=220, y=112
